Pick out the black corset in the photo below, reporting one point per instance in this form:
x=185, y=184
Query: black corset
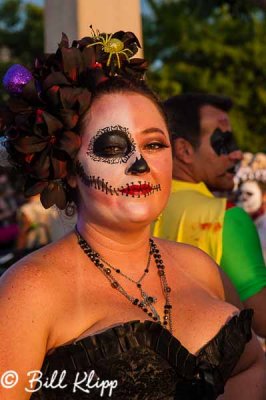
x=148, y=363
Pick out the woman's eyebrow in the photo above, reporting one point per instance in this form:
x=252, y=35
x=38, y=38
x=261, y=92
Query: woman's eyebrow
x=152, y=130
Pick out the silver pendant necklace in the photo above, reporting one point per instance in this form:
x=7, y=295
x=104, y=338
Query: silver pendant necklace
x=147, y=299
x=146, y=303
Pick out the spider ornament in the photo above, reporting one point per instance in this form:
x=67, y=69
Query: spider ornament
x=118, y=47
x=114, y=47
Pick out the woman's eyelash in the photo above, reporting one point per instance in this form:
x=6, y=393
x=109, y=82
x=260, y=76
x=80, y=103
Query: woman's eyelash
x=155, y=145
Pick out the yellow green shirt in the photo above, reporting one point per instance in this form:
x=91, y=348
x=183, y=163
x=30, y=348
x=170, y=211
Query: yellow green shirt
x=194, y=216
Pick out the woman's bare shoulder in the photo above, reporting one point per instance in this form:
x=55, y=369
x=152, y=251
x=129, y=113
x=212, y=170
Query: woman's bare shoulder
x=195, y=263
x=37, y=273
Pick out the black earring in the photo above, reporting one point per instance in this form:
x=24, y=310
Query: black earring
x=138, y=167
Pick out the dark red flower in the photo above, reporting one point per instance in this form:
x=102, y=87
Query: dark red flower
x=40, y=123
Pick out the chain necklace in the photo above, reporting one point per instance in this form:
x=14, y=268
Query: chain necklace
x=146, y=304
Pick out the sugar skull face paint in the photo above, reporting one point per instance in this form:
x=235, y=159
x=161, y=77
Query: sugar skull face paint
x=141, y=188
x=124, y=166
x=138, y=167
x=223, y=142
x=115, y=145
x=250, y=197
x=112, y=144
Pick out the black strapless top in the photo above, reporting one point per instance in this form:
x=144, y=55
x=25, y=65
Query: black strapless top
x=148, y=363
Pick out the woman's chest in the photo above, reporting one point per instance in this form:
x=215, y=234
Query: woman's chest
x=196, y=316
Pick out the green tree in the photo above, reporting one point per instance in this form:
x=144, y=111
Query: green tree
x=216, y=47
x=21, y=32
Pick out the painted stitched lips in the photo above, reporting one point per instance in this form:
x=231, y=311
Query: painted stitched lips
x=139, y=189
x=133, y=189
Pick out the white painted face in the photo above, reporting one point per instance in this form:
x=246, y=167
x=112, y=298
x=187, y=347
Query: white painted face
x=124, y=166
x=250, y=197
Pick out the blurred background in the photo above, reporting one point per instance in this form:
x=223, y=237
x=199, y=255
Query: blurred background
x=213, y=46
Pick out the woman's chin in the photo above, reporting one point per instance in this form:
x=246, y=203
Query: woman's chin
x=139, y=214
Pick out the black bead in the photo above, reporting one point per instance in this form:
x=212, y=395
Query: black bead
x=150, y=314
x=139, y=285
x=146, y=270
x=117, y=270
x=145, y=309
x=165, y=323
x=114, y=285
x=135, y=302
x=155, y=318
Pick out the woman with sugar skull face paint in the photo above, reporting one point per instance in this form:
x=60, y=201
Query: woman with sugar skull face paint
x=124, y=163
x=252, y=197
x=107, y=310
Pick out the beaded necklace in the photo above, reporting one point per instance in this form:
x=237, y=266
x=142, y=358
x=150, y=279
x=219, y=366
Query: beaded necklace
x=146, y=304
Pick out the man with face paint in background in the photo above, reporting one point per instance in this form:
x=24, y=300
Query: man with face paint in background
x=205, y=158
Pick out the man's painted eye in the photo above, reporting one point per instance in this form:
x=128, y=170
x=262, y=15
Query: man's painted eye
x=223, y=149
x=223, y=142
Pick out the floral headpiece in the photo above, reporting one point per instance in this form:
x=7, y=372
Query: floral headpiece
x=46, y=103
x=252, y=168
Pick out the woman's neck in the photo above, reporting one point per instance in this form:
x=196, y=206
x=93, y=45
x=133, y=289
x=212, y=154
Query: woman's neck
x=122, y=248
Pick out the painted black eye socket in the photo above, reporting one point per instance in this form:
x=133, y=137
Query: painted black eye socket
x=223, y=142
x=112, y=144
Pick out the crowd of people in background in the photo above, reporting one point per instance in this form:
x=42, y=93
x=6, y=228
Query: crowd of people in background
x=25, y=225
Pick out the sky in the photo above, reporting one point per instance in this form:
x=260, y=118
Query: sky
x=39, y=2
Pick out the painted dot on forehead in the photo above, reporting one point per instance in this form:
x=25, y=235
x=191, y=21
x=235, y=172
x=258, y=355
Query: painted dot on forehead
x=112, y=144
x=224, y=121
